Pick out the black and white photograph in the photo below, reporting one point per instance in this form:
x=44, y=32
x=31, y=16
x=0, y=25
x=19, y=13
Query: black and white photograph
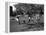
x=26, y=17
